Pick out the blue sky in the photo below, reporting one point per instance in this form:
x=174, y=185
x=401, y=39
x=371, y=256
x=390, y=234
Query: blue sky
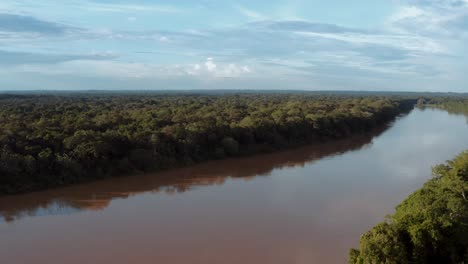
x=405, y=45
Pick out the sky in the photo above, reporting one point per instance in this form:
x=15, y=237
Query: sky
x=378, y=45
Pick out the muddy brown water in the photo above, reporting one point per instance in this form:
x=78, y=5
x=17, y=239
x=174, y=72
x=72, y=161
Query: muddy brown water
x=307, y=205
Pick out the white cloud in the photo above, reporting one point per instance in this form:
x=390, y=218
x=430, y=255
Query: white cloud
x=210, y=65
x=107, y=7
x=92, y=6
x=163, y=39
x=126, y=70
x=215, y=70
x=407, y=42
x=431, y=18
x=110, y=69
x=407, y=12
x=251, y=13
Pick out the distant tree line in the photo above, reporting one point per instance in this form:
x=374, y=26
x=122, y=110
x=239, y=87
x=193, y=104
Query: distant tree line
x=454, y=105
x=48, y=140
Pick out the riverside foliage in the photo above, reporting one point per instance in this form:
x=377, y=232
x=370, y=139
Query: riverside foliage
x=48, y=141
x=431, y=225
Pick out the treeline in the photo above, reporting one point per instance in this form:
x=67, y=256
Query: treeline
x=455, y=105
x=48, y=141
x=430, y=226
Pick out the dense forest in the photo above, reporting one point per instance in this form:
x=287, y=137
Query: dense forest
x=431, y=225
x=52, y=140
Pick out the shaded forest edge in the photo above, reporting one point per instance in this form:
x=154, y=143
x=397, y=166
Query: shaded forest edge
x=99, y=194
x=431, y=225
x=48, y=141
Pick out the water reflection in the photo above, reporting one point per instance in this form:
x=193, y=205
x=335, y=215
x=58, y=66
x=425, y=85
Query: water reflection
x=98, y=195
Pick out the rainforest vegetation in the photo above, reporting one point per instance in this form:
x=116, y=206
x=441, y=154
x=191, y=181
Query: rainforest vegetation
x=431, y=225
x=51, y=140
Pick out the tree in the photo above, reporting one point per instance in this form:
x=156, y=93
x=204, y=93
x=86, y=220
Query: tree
x=430, y=226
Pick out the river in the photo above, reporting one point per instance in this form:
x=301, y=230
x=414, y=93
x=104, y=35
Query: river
x=307, y=205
